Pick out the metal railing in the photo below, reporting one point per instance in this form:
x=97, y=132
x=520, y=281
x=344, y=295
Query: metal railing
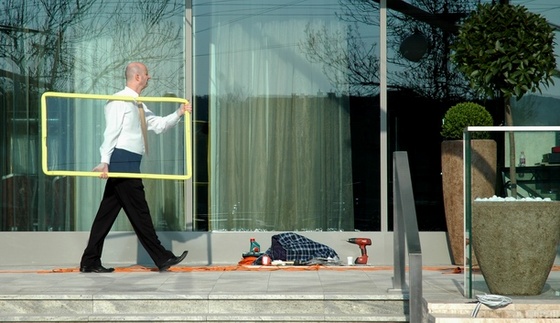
x=405, y=230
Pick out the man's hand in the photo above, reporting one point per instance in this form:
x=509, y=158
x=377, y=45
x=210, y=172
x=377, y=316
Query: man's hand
x=186, y=107
x=103, y=168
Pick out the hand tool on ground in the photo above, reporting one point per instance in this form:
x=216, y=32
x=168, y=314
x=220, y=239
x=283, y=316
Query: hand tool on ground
x=362, y=243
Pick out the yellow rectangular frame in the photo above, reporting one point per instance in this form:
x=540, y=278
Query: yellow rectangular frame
x=44, y=148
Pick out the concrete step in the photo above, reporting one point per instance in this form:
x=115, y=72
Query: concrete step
x=203, y=318
x=520, y=310
x=203, y=308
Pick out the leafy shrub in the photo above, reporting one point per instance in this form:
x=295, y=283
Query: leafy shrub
x=462, y=115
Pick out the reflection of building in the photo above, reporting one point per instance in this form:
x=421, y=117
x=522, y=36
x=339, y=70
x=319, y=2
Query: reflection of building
x=289, y=132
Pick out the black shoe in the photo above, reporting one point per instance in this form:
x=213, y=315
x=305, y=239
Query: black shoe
x=96, y=269
x=173, y=261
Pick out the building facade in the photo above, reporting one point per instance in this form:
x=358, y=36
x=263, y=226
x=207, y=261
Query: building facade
x=298, y=106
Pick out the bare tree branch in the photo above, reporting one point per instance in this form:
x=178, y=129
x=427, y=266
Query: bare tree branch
x=356, y=65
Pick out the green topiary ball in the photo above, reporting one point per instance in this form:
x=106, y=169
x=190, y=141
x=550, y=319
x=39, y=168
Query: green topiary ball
x=462, y=115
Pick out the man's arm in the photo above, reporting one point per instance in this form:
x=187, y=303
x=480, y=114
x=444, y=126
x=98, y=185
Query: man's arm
x=159, y=124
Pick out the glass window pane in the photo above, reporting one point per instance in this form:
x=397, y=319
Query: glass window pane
x=79, y=47
x=283, y=111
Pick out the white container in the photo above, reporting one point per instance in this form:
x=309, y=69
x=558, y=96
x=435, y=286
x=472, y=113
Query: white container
x=265, y=260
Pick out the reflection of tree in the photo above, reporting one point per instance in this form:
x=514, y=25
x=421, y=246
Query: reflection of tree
x=148, y=31
x=41, y=42
x=32, y=40
x=431, y=77
x=347, y=62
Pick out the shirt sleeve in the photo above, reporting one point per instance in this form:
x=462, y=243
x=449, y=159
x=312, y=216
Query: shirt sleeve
x=114, y=115
x=159, y=124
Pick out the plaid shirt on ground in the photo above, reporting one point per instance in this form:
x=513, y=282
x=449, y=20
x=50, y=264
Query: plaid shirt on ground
x=298, y=248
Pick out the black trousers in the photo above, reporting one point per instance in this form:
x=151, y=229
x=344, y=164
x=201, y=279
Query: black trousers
x=127, y=194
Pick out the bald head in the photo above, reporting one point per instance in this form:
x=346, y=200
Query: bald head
x=137, y=76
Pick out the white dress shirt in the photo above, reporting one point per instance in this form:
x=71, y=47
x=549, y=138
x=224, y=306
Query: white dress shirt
x=123, y=129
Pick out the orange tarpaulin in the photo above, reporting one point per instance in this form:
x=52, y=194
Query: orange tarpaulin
x=241, y=267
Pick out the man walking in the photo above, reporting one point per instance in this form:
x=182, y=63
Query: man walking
x=124, y=143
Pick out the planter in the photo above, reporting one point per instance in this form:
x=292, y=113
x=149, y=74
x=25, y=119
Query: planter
x=483, y=159
x=515, y=243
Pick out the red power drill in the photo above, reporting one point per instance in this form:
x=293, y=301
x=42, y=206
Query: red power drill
x=362, y=243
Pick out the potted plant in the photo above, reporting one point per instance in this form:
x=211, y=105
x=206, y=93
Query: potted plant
x=456, y=119
x=506, y=51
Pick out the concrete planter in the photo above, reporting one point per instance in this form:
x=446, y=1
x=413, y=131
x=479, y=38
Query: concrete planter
x=515, y=244
x=483, y=159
